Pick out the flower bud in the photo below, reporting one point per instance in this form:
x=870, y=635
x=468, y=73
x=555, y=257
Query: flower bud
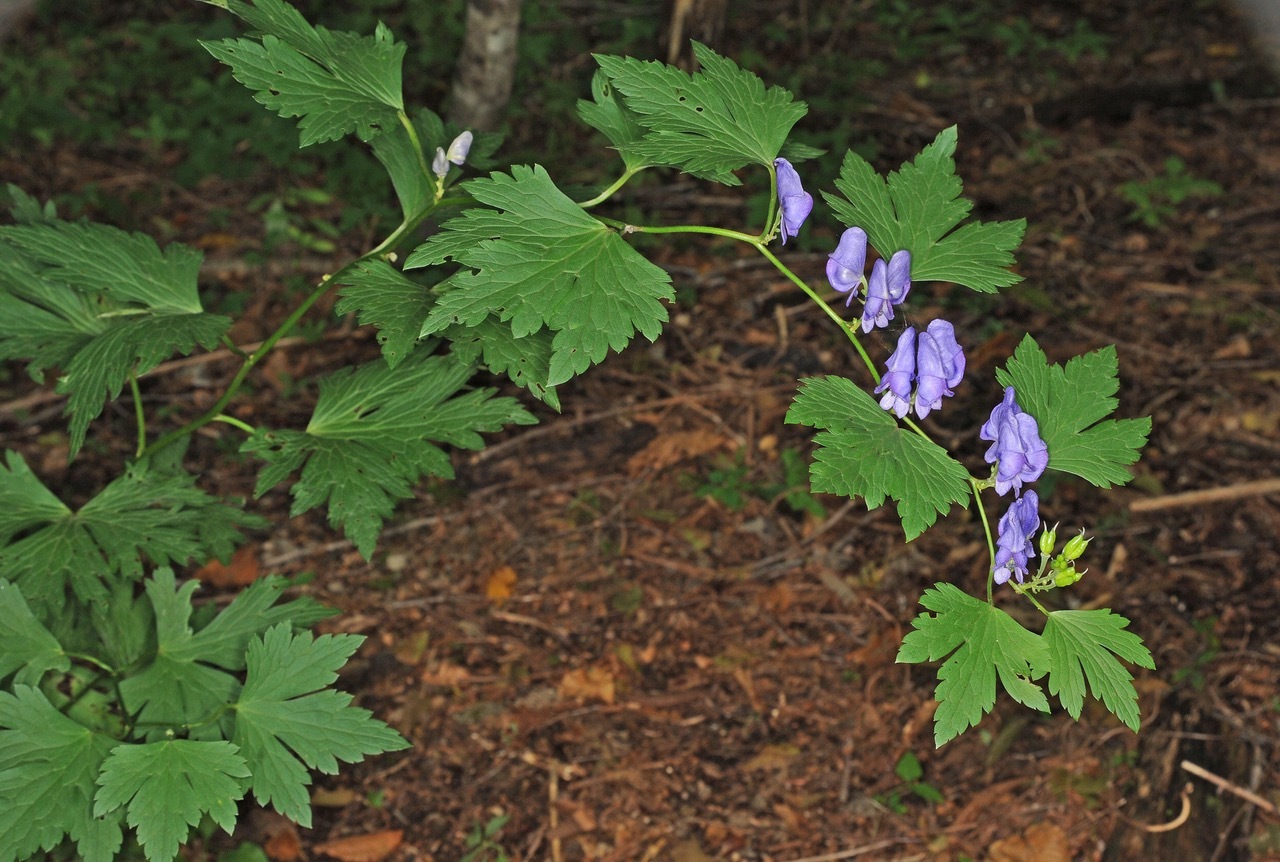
x=1048, y=538
x=1074, y=547
x=1065, y=577
x=440, y=164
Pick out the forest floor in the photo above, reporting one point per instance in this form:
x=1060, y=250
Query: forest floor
x=631, y=634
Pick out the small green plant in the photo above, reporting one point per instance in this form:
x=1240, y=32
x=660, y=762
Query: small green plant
x=1021, y=37
x=1210, y=646
x=482, y=843
x=730, y=484
x=910, y=771
x=1156, y=199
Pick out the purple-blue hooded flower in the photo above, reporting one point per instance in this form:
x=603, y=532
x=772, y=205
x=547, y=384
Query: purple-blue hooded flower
x=901, y=373
x=888, y=286
x=939, y=366
x=845, y=264
x=1019, y=453
x=795, y=201
x=1013, y=542
x=878, y=310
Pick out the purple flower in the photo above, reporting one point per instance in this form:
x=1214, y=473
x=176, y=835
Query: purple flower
x=457, y=154
x=1018, y=452
x=931, y=361
x=796, y=202
x=878, y=310
x=939, y=366
x=899, y=279
x=887, y=287
x=845, y=264
x=1013, y=540
x=896, y=383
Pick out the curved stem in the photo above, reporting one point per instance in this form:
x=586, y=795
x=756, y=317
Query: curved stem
x=612, y=188
x=986, y=529
x=233, y=421
x=96, y=662
x=139, y=417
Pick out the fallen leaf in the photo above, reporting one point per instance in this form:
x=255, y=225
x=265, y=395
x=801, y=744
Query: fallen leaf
x=446, y=674
x=284, y=846
x=371, y=847
x=588, y=683
x=667, y=449
x=1043, y=842
x=500, y=584
x=775, y=757
x=339, y=797
x=689, y=851
x=242, y=571
x=410, y=650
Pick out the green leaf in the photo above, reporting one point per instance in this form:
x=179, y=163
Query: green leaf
x=1068, y=402
x=526, y=361
x=104, y=304
x=184, y=682
x=26, y=209
x=708, y=124
x=984, y=642
x=168, y=786
x=609, y=114
x=336, y=82
x=145, y=514
x=387, y=300
x=48, y=768
x=917, y=208
x=539, y=261
x=373, y=434
x=285, y=722
x=865, y=453
x=29, y=648
x=415, y=187
x=1085, y=644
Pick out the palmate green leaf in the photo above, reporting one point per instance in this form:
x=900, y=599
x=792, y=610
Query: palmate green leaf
x=539, y=261
x=386, y=299
x=526, y=361
x=103, y=304
x=166, y=787
x=186, y=680
x=373, y=433
x=48, y=768
x=708, y=124
x=415, y=187
x=984, y=642
x=1085, y=644
x=146, y=514
x=1068, y=402
x=917, y=208
x=608, y=113
x=336, y=82
x=28, y=647
x=285, y=722
x=863, y=452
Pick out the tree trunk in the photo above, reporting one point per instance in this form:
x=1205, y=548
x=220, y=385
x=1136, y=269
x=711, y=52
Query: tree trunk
x=692, y=19
x=487, y=65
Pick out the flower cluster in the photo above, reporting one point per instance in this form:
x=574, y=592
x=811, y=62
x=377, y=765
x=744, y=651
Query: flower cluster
x=889, y=283
x=1020, y=456
x=931, y=363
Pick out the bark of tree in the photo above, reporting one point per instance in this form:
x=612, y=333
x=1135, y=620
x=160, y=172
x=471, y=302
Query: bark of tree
x=487, y=65
x=692, y=19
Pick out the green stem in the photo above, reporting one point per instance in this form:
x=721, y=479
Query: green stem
x=414, y=140
x=612, y=188
x=986, y=528
x=88, y=659
x=139, y=417
x=233, y=421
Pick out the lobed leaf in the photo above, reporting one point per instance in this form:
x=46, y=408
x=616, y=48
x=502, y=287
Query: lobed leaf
x=48, y=768
x=1084, y=644
x=287, y=720
x=387, y=300
x=1068, y=402
x=918, y=209
x=540, y=262
x=335, y=82
x=29, y=648
x=166, y=787
x=373, y=433
x=146, y=514
x=984, y=643
x=708, y=124
x=608, y=113
x=865, y=453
